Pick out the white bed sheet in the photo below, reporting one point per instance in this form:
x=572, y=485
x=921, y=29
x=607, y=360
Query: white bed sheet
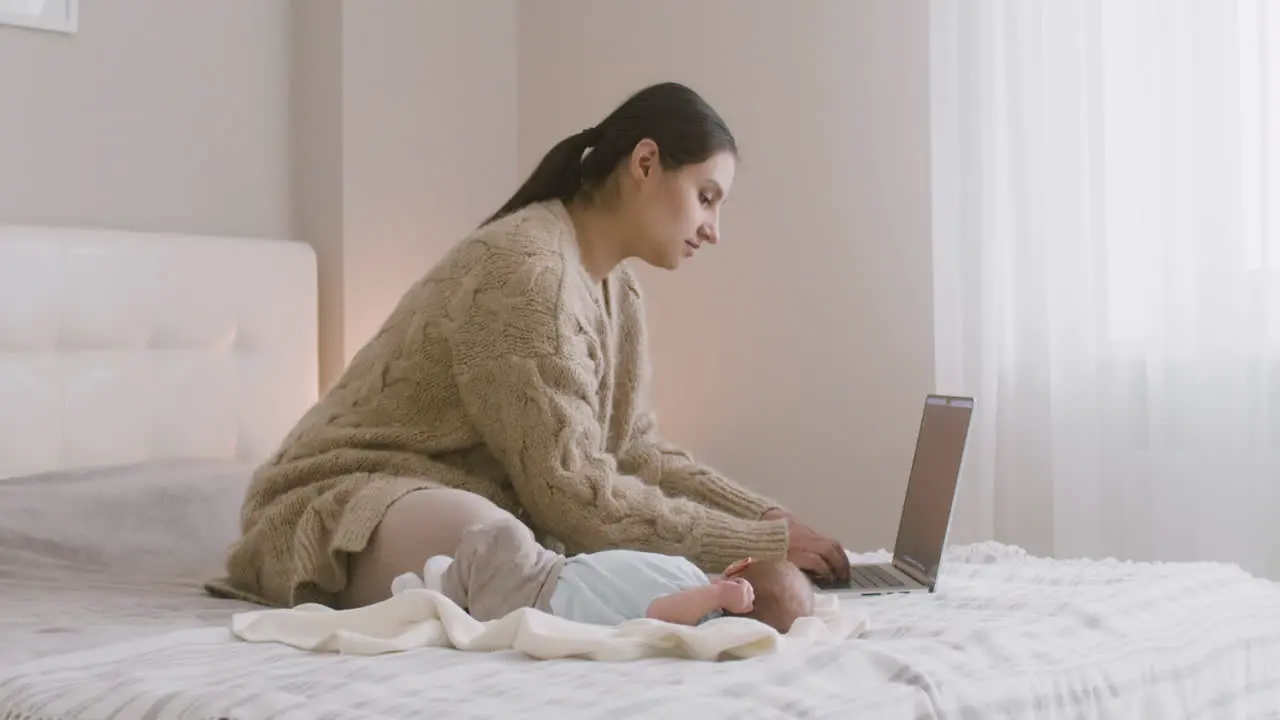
x=101, y=555
x=1007, y=636
x=40, y=617
x=102, y=616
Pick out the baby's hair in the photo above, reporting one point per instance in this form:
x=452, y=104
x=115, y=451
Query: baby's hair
x=782, y=593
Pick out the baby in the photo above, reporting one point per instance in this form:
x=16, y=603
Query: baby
x=500, y=567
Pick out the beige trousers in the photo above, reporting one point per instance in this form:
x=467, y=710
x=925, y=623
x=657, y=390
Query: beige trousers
x=500, y=567
x=420, y=525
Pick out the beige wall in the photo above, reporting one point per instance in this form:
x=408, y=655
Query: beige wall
x=795, y=354
x=429, y=139
x=374, y=130
x=404, y=137
x=147, y=120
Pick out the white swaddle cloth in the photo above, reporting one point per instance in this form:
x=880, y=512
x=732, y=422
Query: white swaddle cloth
x=418, y=615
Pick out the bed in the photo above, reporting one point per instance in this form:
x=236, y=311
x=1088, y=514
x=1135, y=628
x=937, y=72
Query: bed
x=143, y=375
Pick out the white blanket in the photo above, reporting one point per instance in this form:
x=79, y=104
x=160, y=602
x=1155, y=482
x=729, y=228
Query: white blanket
x=1006, y=636
x=424, y=618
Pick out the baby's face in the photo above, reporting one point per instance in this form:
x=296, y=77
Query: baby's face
x=783, y=592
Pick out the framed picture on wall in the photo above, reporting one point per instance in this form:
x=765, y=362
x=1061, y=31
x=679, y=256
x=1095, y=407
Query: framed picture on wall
x=51, y=15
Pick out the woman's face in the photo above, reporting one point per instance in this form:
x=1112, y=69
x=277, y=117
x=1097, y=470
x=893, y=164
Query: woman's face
x=676, y=211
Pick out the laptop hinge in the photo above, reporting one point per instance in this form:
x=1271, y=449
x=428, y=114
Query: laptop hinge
x=911, y=569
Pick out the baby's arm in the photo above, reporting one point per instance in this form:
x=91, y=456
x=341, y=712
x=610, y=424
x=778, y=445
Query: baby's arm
x=690, y=606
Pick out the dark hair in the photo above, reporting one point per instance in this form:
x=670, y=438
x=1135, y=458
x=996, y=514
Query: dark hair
x=685, y=127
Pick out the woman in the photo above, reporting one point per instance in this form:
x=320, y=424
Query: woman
x=512, y=379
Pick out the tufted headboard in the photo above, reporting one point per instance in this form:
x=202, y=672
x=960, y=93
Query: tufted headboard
x=121, y=347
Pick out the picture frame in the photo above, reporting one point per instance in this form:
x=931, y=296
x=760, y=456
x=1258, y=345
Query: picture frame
x=59, y=16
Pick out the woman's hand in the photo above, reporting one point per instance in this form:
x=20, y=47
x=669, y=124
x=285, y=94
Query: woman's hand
x=811, y=551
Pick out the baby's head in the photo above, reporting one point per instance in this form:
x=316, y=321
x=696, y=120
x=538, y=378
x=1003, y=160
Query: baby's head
x=782, y=591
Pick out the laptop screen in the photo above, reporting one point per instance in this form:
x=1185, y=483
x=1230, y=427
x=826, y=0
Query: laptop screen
x=931, y=487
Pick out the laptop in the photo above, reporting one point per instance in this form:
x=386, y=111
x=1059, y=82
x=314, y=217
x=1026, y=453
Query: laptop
x=926, y=509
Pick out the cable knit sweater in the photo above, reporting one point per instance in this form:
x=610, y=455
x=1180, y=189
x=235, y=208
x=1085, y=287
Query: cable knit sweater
x=506, y=371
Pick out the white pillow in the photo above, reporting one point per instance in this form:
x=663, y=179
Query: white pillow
x=171, y=518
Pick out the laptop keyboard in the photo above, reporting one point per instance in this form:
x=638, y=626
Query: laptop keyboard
x=871, y=576
x=866, y=577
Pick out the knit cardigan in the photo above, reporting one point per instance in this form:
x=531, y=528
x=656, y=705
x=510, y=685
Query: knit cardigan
x=508, y=372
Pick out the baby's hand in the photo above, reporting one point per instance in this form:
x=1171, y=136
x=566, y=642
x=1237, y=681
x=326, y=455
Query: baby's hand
x=736, y=595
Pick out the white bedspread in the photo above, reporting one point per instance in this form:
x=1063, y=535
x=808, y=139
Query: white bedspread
x=113, y=554
x=1006, y=636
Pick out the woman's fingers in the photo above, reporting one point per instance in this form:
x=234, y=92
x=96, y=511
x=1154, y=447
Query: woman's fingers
x=814, y=563
x=837, y=560
x=817, y=553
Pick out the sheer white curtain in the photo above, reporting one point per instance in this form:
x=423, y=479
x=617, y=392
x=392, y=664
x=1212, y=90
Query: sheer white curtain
x=1107, y=267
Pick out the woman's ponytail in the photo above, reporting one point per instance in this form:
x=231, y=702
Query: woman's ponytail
x=685, y=128
x=557, y=176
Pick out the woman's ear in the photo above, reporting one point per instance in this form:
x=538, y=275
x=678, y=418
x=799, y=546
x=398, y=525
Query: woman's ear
x=644, y=158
